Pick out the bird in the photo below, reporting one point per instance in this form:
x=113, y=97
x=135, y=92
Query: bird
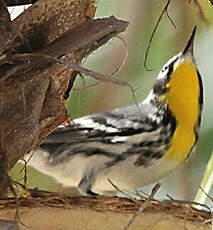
x=132, y=146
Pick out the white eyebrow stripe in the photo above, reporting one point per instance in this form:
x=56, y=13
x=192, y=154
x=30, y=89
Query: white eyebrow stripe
x=164, y=73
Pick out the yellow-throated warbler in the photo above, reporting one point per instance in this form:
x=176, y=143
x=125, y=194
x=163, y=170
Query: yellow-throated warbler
x=131, y=146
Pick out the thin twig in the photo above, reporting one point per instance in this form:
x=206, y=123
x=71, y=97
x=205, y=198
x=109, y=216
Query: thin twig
x=80, y=69
x=25, y=172
x=165, y=10
x=200, y=10
x=210, y=198
x=122, y=191
x=118, y=69
x=141, y=194
x=143, y=206
x=194, y=203
x=17, y=201
x=35, y=58
x=26, y=161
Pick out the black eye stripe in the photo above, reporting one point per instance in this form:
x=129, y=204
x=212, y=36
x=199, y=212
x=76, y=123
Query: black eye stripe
x=170, y=70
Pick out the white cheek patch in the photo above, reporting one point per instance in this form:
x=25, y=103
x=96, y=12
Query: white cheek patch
x=90, y=123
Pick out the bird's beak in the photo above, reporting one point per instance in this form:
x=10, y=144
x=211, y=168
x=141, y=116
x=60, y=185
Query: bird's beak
x=188, y=50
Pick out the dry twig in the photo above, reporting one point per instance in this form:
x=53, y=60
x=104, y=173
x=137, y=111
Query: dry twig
x=143, y=206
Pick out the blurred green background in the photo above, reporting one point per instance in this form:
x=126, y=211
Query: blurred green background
x=142, y=15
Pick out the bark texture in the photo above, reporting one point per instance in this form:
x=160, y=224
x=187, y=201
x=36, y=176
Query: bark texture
x=32, y=91
x=62, y=212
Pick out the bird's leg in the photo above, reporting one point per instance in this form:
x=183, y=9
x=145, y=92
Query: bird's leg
x=86, y=183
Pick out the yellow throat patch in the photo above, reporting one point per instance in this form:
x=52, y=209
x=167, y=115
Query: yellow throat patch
x=182, y=99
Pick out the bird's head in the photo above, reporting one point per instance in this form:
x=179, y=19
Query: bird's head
x=179, y=84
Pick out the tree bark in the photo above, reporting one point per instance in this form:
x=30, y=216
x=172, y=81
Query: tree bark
x=32, y=91
x=19, y=2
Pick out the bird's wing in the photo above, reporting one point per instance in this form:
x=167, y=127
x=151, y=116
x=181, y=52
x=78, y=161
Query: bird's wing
x=124, y=121
x=99, y=133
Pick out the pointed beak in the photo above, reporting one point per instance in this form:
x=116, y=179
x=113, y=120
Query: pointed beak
x=188, y=50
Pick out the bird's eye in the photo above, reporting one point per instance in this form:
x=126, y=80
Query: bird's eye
x=164, y=69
